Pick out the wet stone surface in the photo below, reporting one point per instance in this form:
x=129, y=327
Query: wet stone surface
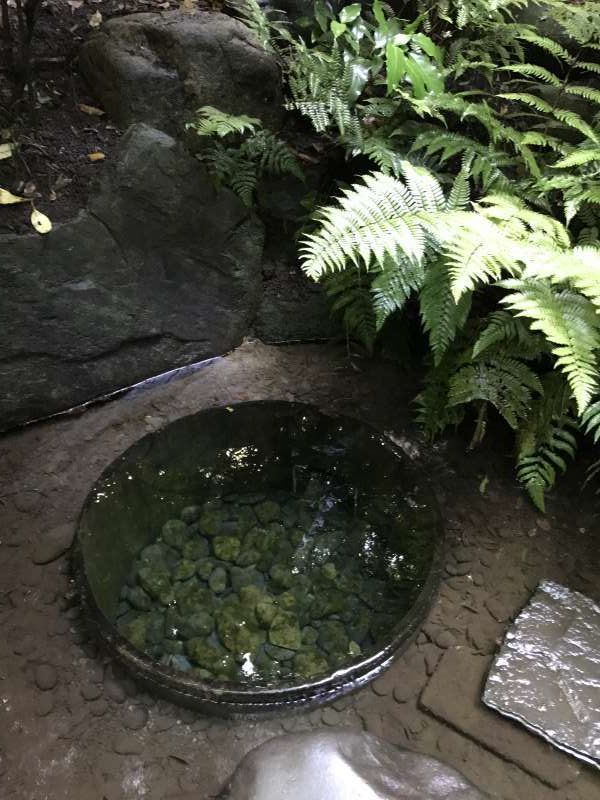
x=266, y=588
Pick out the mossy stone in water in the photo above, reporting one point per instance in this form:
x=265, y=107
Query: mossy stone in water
x=203, y=653
x=190, y=514
x=218, y=580
x=309, y=635
x=266, y=612
x=245, y=519
x=268, y=511
x=358, y=628
x=139, y=599
x=191, y=595
x=184, y=570
x=175, y=532
x=281, y=576
x=200, y=623
x=251, y=596
x=310, y=663
x=155, y=627
x=195, y=548
x=288, y=601
x=327, y=602
x=296, y=536
x=211, y=521
x=204, y=568
x=354, y=649
x=153, y=553
x=285, y=631
x=245, y=576
x=333, y=637
x=176, y=661
x=329, y=571
x=226, y=548
x=155, y=580
x=225, y=668
x=135, y=631
x=278, y=653
x=248, y=557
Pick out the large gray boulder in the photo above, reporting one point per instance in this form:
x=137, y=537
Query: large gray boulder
x=159, y=68
x=161, y=271
x=343, y=765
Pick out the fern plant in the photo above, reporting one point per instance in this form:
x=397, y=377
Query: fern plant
x=406, y=237
x=240, y=166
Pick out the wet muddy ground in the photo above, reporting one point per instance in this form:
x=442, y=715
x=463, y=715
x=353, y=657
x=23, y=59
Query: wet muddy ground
x=73, y=725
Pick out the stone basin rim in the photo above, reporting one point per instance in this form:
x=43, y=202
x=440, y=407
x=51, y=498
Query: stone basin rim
x=229, y=698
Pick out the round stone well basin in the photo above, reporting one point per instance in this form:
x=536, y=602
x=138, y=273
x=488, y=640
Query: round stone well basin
x=258, y=557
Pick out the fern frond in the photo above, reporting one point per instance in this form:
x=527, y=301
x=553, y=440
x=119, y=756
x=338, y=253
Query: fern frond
x=578, y=158
x=351, y=298
x=503, y=327
x=442, y=315
x=371, y=222
x=590, y=420
x=532, y=71
x=211, y=121
x=393, y=285
x=505, y=383
x=570, y=323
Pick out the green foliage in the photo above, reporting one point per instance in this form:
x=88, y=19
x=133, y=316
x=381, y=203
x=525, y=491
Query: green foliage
x=483, y=207
x=241, y=166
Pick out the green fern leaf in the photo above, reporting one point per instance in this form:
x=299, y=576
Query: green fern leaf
x=210, y=121
x=442, y=316
x=569, y=322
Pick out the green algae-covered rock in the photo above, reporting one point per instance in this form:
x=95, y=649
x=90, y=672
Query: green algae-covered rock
x=175, y=533
x=198, y=624
x=354, y=649
x=195, y=548
x=251, y=596
x=156, y=580
x=190, y=514
x=266, y=612
x=329, y=571
x=225, y=668
x=211, y=521
x=173, y=623
x=204, y=568
x=296, y=536
x=155, y=627
x=248, y=557
x=310, y=663
x=309, y=635
x=184, y=570
x=288, y=601
x=135, y=631
x=333, y=637
x=278, y=653
x=358, y=628
x=327, y=601
x=237, y=629
x=191, y=596
x=245, y=576
x=203, y=653
x=268, y=511
x=281, y=576
x=226, y=548
x=153, y=553
x=245, y=519
x=139, y=599
x=218, y=580
x=285, y=631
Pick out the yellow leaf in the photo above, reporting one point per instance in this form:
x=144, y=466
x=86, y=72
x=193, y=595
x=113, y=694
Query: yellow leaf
x=96, y=20
x=188, y=5
x=96, y=156
x=7, y=149
x=7, y=199
x=91, y=110
x=40, y=221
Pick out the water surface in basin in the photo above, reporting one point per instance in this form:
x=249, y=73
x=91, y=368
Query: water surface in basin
x=267, y=544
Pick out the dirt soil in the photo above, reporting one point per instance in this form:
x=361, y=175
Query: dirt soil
x=74, y=726
x=58, y=128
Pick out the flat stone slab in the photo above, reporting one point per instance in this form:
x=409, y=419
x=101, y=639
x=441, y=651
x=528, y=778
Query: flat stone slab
x=453, y=695
x=547, y=673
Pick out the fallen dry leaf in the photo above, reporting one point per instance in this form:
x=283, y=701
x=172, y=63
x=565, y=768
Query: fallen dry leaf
x=75, y=5
x=40, y=221
x=96, y=156
x=7, y=149
x=7, y=198
x=95, y=20
x=91, y=110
